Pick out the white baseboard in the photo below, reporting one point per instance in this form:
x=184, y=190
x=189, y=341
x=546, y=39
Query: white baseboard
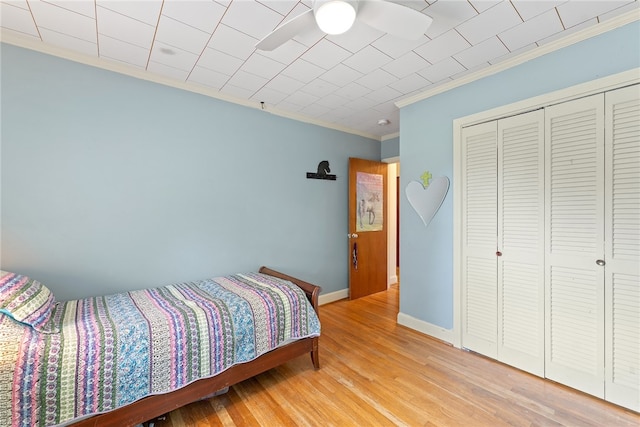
x=392, y=280
x=438, y=332
x=333, y=296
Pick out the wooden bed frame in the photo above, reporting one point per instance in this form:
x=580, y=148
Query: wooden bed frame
x=154, y=406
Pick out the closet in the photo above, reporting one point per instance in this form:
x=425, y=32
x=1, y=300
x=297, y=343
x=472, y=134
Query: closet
x=550, y=242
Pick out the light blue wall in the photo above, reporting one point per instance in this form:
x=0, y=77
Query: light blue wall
x=426, y=143
x=390, y=148
x=112, y=183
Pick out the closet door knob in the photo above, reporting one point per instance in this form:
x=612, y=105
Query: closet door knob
x=600, y=262
x=498, y=253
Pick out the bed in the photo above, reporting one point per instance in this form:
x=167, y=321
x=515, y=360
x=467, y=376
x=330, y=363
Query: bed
x=123, y=359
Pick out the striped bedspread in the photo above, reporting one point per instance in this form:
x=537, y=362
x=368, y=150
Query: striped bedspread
x=113, y=350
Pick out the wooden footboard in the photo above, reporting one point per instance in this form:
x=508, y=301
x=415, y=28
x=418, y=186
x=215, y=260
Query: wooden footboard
x=157, y=405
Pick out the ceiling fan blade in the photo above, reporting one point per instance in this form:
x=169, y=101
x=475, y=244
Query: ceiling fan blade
x=392, y=18
x=287, y=31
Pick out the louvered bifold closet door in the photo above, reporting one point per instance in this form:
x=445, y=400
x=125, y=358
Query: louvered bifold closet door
x=622, y=247
x=574, y=241
x=479, y=225
x=521, y=241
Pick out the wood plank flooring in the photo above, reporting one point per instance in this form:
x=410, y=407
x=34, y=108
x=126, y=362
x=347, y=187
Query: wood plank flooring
x=374, y=372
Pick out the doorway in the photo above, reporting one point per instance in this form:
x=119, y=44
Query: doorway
x=393, y=228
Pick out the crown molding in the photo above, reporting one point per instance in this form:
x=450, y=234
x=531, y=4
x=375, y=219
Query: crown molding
x=578, y=36
x=37, y=45
x=389, y=136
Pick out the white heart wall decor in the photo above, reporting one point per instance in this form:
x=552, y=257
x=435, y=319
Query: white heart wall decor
x=427, y=201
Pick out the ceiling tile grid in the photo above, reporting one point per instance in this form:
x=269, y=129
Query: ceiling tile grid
x=350, y=80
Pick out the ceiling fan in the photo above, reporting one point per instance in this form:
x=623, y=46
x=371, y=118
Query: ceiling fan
x=337, y=16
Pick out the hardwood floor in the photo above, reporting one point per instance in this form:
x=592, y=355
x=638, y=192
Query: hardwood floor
x=374, y=372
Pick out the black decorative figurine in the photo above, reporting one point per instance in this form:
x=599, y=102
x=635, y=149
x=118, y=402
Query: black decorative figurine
x=323, y=172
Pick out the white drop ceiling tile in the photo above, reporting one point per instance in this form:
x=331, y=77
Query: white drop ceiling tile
x=569, y=31
x=283, y=7
x=493, y=21
x=127, y=64
x=147, y=11
x=469, y=71
x=513, y=53
x=301, y=98
x=360, y=118
x=528, y=9
x=69, y=42
x=238, y=92
x=442, y=47
x=288, y=106
x=410, y=83
x=537, y=28
x=367, y=60
x=354, y=90
x=442, y=70
x=219, y=61
x=395, y=47
x=207, y=77
x=326, y=54
x=171, y=56
x=575, y=12
x=122, y=51
x=269, y=97
x=284, y=84
x=17, y=19
x=406, y=65
x=619, y=11
x=319, y=88
x=341, y=75
x=203, y=15
x=314, y=110
x=225, y=3
x=388, y=110
x=63, y=21
x=21, y=34
x=418, y=5
x=384, y=94
x=310, y=37
x=86, y=8
x=233, y=42
x=360, y=104
x=125, y=28
x=180, y=35
x=287, y=53
x=448, y=14
x=303, y=71
x=338, y=113
x=377, y=79
x=481, y=53
x=391, y=130
x=483, y=5
x=332, y=101
x=262, y=66
x=22, y=4
x=252, y=18
x=247, y=80
x=358, y=37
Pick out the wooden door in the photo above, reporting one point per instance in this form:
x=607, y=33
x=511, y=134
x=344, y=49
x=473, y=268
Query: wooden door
x=574, y=242
x=521, y=241
x=622, y=247
x=367, y=227
x=479, y=225
x=503, y=251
